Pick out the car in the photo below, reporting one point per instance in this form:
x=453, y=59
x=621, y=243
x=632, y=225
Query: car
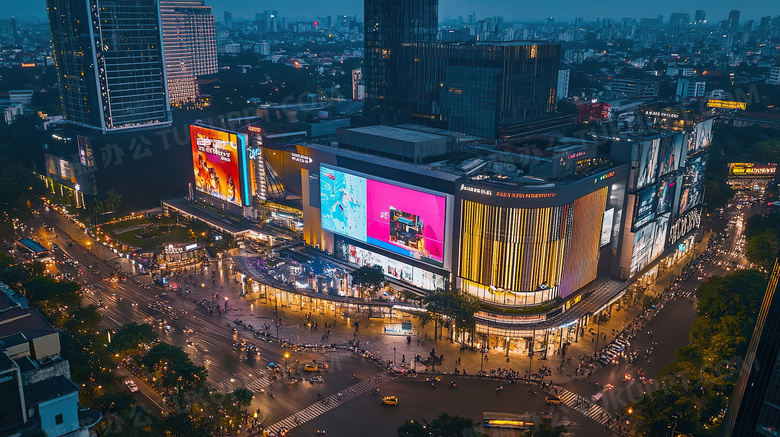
x=552, y=400
x=389, y=400
x=547, y=415
x=316, y=379
x=433, y=379
x=131, y=386
x=310, y=367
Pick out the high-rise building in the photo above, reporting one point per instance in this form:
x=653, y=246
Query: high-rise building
x=733, y=19
x=774, y=76
x=190, y=46
x=389, y=24
x=754, y=406
x=14, y=31
x=690, y=88
x=228, y=19
x=358, y=88
x=110, y=63
x=563, y=84
x=679, y=19
x=700, y=17
x=480, y=89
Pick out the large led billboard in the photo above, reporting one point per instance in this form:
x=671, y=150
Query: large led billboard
x=672, y=153
x=645, y=207
x=700, y=137
x=666, y=192
x=218, y=162
x=402, y=220
x=648, y=163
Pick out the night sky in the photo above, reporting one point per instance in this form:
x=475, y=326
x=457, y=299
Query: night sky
x=522, y=9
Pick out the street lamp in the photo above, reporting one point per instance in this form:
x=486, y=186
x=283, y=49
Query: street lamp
x=598, y=333
x=393, y=356
x=286, y=356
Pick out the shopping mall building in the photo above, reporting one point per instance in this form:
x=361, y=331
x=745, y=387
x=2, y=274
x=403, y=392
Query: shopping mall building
x=545, y=231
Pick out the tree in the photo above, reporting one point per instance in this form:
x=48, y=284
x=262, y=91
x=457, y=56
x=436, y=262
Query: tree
x=22, y=191
x=96, y=209
x=368, y=279
x=177, y=372
x=112, y=201
x=243, y=396
x=762, y=249
x=546, y=430
x=131, y=338
x=84, y=320
x=442, y=426
x=48, y=293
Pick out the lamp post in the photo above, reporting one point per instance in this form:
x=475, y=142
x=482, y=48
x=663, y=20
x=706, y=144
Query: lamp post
x=393, y=356
x=286, y=356
x=598, y=333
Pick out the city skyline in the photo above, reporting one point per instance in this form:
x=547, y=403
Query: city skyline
x=716, y=10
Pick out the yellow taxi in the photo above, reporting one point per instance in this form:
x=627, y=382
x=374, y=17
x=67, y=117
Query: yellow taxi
x=389, y=400
x=310, y=367
x=552, y=400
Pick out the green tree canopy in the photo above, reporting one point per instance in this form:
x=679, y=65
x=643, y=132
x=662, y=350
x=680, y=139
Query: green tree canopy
x=174, y=365
x=84, y=320
x=368, y=279
x=131, y=338
x=47, y=293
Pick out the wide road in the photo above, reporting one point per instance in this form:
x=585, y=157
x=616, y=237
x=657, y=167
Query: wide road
x=207, y=338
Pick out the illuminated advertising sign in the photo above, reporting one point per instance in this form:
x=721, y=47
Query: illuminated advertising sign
x=726, y=104
x=684, y=224
x=752, y=169
x=693, y=184
x=60, y=170
x=645, y=207
x=396, y=269
x=665, y=196
x=648, y=162
x=218, y=163
x=659, y=240
x=643, y=248
x=672, y=156
x=28, y=64
x=662, y=114
x=700, y=137
x=402, y=220
x=606, y=226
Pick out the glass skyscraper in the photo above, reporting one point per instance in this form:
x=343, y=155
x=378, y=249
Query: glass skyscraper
x=190, y=46
x=110, y=63
x=389, y=24
x=754, y=406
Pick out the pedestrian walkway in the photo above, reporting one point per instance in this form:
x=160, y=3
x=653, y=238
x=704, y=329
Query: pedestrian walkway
x=581, y=404
x=321, y=407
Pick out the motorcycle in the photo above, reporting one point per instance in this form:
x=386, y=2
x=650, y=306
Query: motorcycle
x=500, y=389
x=453, y=384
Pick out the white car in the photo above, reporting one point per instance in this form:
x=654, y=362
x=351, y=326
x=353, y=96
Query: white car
x=131, y=385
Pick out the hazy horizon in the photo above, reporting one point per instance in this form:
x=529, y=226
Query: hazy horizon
x=716, y=10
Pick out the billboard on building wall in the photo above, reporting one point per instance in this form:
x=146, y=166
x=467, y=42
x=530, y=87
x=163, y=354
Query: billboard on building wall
x=406, y=221
x=700, y=137
x=648, y=163
x=219, y=165
x=645, y=207
x=672, y=155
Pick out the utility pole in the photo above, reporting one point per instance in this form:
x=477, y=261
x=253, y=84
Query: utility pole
x=598, y=333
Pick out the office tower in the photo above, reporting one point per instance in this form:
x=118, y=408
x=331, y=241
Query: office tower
x=754, y=406
x=358, y=88
x=110, y=63
x=482, y=89
x=679, y=19
x=734, y=19
x=388, y=25
x=700, y=17
x=268, y=22
x=14, y=31
x=563, y=84
x=190, y=46
x=690, y=88
x=228, y=19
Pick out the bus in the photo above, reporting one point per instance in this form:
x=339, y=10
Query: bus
x=507, y=420
x=34, y=250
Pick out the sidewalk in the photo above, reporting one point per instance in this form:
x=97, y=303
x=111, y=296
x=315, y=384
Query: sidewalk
x=296, y=327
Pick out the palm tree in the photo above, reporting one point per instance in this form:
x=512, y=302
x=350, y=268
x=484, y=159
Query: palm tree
x=96, y=210
x=113, y=201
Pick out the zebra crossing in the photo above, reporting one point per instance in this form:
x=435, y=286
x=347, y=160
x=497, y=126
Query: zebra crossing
x=321, y=407
x=581, y=404
x=255, y=384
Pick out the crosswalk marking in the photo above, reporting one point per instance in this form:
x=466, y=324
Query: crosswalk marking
x=582, y=404
x=331, y=402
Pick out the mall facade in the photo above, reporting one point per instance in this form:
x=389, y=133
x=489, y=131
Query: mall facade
x=546, y=231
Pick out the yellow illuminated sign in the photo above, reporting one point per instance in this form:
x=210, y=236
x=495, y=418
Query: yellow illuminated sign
x=726, y=104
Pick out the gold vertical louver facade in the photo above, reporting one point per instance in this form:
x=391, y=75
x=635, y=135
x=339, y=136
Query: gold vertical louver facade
x=523, y=249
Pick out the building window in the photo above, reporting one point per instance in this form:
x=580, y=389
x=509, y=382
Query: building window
x=58, y=419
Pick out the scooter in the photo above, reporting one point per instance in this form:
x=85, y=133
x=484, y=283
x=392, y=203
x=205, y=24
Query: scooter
x=500, y=389
x=453, y=384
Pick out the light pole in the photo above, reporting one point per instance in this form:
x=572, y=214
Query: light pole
x=598, y=333
x=286, y=356
x=393, y=356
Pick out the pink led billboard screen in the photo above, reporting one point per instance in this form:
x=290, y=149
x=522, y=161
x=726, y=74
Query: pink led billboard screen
x=402, y=220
